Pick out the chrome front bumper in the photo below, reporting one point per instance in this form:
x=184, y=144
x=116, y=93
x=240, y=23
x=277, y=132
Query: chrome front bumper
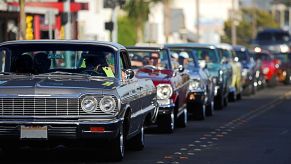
x=63, y=129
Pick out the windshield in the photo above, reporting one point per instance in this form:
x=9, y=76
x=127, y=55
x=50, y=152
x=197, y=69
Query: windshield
x=205, y=54
x=224, y=53
x=142, y=58
x=40, y=59
x=184, y=56
x=263, y=56
x=273, y=36
x=284, y=58
x=242, y=55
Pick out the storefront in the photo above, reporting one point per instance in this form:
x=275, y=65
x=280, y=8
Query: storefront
x=44, y=20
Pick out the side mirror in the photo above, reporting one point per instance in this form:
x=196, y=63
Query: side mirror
x=181, y=68
x=129, y=74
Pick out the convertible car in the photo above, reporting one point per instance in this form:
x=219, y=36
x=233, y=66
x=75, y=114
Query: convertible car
x=72, y=92
x=200, y=98
x=170, y=79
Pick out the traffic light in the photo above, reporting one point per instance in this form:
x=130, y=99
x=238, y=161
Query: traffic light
x=109, y=3
x=113, y=3
x=109, y=26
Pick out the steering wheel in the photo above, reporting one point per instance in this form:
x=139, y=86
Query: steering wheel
x=151, y=67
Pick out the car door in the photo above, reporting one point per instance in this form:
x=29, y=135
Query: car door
x=131, y=88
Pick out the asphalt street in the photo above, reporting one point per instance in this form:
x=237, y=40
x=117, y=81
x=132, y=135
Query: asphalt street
x=256, y=129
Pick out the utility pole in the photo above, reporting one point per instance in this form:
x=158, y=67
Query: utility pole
x=289, y=19
x=68, y=28
x=114, y=33
x=254, y=20
x=167, y=19
x=198, y=20
x=233, y=25
x=22, y=19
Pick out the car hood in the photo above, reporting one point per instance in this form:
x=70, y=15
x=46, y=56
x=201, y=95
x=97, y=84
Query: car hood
x=154, y=74
x=53, y=85
x=194, y=73
x=213, y=68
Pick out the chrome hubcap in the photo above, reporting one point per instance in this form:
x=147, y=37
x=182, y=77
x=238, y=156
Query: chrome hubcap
x=121, y=144
x=185, y=116
x=204, y=111
x=142, y=134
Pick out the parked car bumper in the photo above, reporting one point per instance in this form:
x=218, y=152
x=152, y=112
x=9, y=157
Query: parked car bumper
x=165, y=106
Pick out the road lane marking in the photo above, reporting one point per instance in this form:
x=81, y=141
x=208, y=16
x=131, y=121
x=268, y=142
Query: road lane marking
x=284, y=132
x=231, y=125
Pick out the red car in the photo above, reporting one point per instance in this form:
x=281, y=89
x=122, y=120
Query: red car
x=268, y=65
x=171, y=80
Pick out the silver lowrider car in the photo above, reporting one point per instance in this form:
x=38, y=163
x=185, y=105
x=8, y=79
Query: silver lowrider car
x=67, y=91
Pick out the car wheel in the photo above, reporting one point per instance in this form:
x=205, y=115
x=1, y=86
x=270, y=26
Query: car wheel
x=210, y=108
x=232, y=97
x=183, y=119
x=167, y=123
x=202, y=112
x=239, y=96
x=225, y=101
x=288, y=79
x=272, y=82
x=137, y=142
x=218, y=102
x=254, y=89
x=117, y=147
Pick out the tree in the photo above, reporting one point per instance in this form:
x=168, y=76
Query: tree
x=285, y=2
x=126, y=31
x=244, y=27
x=138, y=11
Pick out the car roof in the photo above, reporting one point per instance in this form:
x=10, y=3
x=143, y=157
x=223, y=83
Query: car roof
x=144, y=48
x=113, y=45
x=239, y=48
x=191, y=45
x=224, y=46
x=273, y=30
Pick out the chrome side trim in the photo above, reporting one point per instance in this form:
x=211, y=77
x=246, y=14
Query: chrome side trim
x=140, y=112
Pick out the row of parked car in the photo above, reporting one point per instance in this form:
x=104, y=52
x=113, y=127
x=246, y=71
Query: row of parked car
x=102, y=93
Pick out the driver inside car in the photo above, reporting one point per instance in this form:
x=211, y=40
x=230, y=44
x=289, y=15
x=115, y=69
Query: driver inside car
x=98, y=65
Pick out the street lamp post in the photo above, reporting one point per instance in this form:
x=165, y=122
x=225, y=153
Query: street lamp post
x=68, y=28
x=233, y=25
x=22, y=22
x=197, y=20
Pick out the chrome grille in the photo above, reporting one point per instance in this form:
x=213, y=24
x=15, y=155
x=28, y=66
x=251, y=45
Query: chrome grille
x=39, y=107
x=47, y=107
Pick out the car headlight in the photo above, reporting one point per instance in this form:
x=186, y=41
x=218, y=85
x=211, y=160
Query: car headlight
x=107, y=104
x=284, y=48
x=164, y=91
x=89, y=104
x=265, y=70
x=195, y=84
x=244, y=72
x=257, y=49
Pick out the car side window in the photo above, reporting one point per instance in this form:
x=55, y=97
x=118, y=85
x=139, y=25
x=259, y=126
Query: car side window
x=124, y=63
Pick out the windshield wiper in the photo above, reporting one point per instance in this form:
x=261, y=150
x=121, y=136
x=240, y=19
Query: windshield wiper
x=60, y=73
